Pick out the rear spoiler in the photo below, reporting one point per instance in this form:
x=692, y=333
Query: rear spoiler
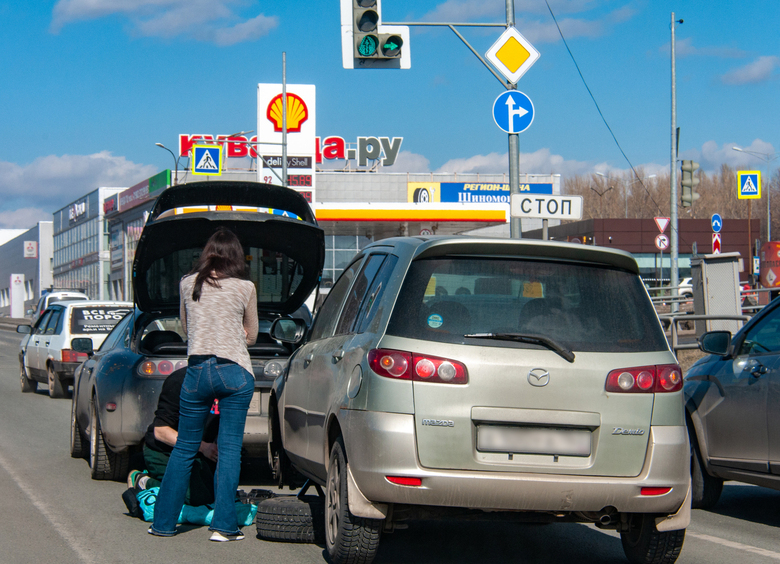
x=252, y=194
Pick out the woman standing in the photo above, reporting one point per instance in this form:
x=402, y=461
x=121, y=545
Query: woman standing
x=219, y=315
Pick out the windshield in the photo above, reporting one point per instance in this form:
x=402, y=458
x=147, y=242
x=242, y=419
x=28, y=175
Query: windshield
x=275, y=275
x=583, y=307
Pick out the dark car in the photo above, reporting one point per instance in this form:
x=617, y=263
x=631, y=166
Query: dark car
x=115, y=391
x=733, y=408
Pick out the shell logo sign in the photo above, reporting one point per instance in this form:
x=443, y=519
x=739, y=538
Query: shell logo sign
x=297, y=113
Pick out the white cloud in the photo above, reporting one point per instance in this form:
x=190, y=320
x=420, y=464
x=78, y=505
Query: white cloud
x=24, y=218
x=684, y=48
x=536, y=24
x=59, y=180
x=760, y=70
x=538, y=162
x=203, y=20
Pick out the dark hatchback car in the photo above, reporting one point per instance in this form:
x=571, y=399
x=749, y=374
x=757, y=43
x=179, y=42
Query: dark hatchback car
x=733, y=408
x=115, y=391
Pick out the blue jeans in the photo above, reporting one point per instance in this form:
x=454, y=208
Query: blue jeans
x=208, y=377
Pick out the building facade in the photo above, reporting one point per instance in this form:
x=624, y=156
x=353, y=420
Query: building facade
x=29, y=255
x=81, y=245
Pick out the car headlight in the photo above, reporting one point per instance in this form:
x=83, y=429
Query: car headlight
x=273, y=369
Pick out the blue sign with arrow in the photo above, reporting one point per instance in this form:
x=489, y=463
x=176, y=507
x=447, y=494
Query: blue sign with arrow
x=513, y=111
x=717, y=223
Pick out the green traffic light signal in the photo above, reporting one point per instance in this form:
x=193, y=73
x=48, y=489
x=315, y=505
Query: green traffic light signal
x=367, y=45
x=391, y=46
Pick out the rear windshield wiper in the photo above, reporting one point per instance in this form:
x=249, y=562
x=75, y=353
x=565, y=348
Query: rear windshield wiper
x=555, y=346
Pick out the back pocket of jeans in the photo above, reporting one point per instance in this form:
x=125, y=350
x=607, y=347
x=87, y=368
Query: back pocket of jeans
x=233, y=376
x=191, y=379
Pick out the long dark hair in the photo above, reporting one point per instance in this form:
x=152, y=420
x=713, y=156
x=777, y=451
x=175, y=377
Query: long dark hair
x=222, y=257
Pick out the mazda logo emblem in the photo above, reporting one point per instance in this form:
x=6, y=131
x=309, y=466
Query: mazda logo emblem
x=538, y=377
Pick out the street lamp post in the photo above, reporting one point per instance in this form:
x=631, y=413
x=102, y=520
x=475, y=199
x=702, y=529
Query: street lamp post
x=175, y=162
x=626, y=187
x=767, y=158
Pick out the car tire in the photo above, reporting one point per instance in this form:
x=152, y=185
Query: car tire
x=78, y=447
x=348, y=539
x=104, y=463
x=644, y=544
x=56, y=389
x=28, y=385
x=291, y=518
x=705, y=490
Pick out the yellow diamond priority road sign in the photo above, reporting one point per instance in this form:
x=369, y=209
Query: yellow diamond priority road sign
x=512, y=55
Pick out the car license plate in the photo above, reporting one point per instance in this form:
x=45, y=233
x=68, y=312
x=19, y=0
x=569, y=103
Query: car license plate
x=533, y=440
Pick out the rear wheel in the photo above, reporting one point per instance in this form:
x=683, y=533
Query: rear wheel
x=348, y=539
x=28, y=385
x=77, y=445
x=104, y=463
x=644, y=544
x=705, y=490
x=56, y=389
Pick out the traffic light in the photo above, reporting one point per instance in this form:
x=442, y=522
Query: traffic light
x=369, y=42
x=689, y=182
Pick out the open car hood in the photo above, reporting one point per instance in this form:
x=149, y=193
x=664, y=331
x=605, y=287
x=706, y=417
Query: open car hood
x=285, y=247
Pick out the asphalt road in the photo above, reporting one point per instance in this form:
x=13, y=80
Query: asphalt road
x=53, y=512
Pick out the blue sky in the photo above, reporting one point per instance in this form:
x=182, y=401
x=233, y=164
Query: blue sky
x=88, y=86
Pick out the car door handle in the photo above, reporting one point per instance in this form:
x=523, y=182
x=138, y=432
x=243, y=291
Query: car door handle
x=338, y=355
x=307, y=360
x=759, y=370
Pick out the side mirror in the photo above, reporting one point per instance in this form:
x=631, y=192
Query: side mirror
x=24, y=329
x=715, y=342
x=288, y=330
x=82, y=345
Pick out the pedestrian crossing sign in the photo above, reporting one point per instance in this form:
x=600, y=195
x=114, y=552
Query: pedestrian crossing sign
x=207, y=160
x=749, y=185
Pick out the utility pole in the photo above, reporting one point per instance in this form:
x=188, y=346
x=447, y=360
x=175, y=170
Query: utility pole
x=515, y=229
x=675, y=275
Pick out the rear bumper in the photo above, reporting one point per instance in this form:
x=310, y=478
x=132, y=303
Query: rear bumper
x=65, y=370
x=382, y=444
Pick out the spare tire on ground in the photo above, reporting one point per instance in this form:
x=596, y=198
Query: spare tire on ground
x=291, y=518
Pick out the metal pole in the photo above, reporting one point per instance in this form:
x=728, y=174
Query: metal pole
x=675, y=280
x=515, y=229
x=284, y=118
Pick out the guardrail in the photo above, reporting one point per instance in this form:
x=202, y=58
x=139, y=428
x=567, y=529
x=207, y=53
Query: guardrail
x=675, y=319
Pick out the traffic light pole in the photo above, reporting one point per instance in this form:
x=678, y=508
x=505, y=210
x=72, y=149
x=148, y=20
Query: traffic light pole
x=675, y=273
x=515, y=231
x=515, y=228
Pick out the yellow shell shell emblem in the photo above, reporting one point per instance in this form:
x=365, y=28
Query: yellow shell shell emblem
x=297, y=112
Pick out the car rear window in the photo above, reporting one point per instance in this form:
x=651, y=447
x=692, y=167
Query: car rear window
x=588, y=308
x=91, y=320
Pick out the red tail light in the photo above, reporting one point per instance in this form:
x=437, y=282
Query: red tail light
x=654, y=491
x=404, y=480
x=402, y=365
x=645, y=379
x=73, y=356
x=160, y=367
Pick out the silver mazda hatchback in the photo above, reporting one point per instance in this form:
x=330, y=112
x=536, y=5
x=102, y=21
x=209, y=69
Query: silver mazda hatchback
x=462, y=376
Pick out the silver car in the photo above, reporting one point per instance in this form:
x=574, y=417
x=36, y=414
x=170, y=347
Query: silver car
x=460, y=376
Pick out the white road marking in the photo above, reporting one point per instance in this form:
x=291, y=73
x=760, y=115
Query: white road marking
x=62, y=530
x=709, y=538
x=736, y=545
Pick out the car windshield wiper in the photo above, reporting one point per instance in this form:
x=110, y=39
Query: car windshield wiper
x=551, y=344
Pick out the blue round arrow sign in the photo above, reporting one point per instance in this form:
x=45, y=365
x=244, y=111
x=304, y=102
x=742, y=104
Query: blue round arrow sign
x=513, y=111
x=717, y=222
